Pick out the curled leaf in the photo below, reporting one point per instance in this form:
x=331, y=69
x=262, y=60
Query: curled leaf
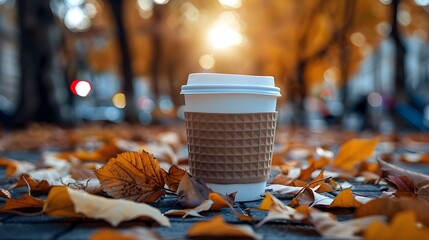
x=204, y=206
x=15, y=168
x=64, y=201
x=192, y=192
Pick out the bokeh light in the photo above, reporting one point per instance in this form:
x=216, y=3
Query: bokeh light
x=80, y=88
x=118, y=100
x=231, y=3
x=375, y=99
x=207, y=61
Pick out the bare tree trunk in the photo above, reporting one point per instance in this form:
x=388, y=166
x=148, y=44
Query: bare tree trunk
x=127, y=73
x=156, y=52
x=43, y=89
x=399, y=67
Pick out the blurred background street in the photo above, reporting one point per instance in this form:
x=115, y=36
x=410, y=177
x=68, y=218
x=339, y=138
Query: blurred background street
x=356, y=64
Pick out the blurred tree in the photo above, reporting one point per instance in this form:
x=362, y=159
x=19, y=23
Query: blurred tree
x=126, y=67
x=43, y=95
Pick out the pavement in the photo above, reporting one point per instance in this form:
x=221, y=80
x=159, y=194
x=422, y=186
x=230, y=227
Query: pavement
x=47, y=227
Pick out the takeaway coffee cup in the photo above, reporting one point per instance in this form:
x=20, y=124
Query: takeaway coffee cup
x=230, y=127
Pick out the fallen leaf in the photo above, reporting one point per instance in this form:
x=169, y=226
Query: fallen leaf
x=320, y=183
x=318, y=163
x=64, y=201
x=221, y=201
x=173, y=177
x=403, y=226
x=391, y=169
x=15, y=168
x=192, y=192
x=36, y=187
x=354, y=151
x=135, y=233
x=404, y=186
x=108, y=150
x=345, y=199
x=5, y=193
x=195, y=212
x=217, y=228
x=391, y=206
x=133, y=176
x=415, y=158
x=326, y=225
x=25, y=201
x=423, y=190
x=278, y=211
x=306, y=173
x=319, y=200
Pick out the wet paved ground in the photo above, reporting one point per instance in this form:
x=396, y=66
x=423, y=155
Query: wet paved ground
x=46, y=227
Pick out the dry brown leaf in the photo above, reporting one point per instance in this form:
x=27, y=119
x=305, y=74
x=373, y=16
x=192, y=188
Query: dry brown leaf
x=391, y=206
x=25, y=201
x=391, y=169
x=173, y=177
x=278, y=211
x=192, y=192
x=423, y=190
x=217, y=228
x=345, y=199
x=133, y=176
x=404, y=186
x=5, y=193
x=135, y=233
x=64, y=201
x=15, y=168
x=195, y=212
x=403, y=226
x=326, y=225
x=36, y=187
x=354, y=151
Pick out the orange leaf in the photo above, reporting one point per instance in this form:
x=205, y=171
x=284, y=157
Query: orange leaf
x=306, y=173
x=105, y=152
x=217, y=228
x=354, y=151
x=391, y=206
x=15, y=167
x=345, y=199
x=133, y=176
x=319, y=163
x=175, y=174
x=26, y=201
x=323, y=187
x=278, y=211
x=135, y=233
x=221, y=201
x=403, y=226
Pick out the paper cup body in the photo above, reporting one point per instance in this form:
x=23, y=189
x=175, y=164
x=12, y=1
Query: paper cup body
x=230, y=124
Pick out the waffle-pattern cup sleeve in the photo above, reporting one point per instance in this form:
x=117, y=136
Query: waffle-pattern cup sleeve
x=230, y=148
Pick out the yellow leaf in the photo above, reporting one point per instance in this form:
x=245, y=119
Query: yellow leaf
x=217, y=228
x=345, y=199
x=133, y=176
x=403, y=226
x=354, y=151
x=221, y=201
x=64, y=201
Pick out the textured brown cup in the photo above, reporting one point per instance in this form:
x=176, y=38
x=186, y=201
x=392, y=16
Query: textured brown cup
x=230, y=148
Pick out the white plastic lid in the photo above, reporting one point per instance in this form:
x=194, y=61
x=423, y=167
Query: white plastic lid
x=212, y=83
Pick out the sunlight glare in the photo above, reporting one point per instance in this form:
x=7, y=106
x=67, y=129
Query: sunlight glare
x=222, y=37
